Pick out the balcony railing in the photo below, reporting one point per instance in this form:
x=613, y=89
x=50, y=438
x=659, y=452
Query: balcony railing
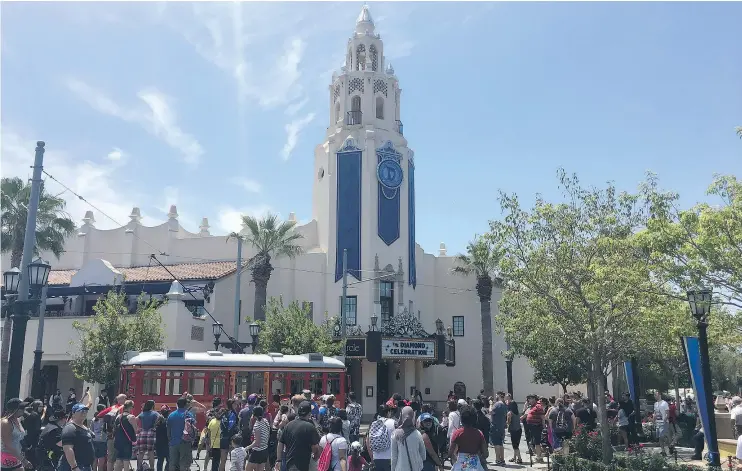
x=353, y=117
x=400, y=127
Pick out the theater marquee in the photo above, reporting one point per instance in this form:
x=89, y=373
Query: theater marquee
x=408, y=349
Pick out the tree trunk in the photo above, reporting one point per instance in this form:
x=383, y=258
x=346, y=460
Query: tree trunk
x=598, y=380
x=487, y=360
x=16, y=255
x=261, y=273
x=564, y=388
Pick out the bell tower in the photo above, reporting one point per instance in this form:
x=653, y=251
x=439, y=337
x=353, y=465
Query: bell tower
x=364, y=194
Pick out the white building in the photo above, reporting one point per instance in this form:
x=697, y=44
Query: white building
x=363, y=201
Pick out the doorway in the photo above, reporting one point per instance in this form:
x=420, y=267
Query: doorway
x=382, y=382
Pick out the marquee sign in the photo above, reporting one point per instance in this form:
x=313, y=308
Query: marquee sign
x=408, y=349
x=355, y=347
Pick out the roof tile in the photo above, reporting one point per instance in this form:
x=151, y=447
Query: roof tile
x=182, y=272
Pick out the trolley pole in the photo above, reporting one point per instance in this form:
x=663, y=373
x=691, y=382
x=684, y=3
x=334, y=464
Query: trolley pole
x=236, y=329
x=343, y=322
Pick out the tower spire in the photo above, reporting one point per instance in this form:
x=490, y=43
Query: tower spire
x=364, y=23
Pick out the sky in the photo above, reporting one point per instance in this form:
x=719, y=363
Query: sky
x=217, y=107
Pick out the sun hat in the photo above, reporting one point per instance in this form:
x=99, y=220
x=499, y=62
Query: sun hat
x=425, y=416
x=462, y=402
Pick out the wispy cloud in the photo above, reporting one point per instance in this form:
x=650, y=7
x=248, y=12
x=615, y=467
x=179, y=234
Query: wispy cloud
x=115, y=155
x=251, y=186
x=156, y=116
x=96, y=181
x=230, y=218
x=292, y=134
x=294, y=108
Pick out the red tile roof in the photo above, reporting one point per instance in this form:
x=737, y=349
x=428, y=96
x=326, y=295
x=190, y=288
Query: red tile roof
x=182, y=272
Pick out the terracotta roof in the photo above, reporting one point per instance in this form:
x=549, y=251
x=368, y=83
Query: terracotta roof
x=182, y=272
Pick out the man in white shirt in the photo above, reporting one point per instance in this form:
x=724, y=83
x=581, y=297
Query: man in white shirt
x=454, y=419
x=735, y=414
x=661, y=421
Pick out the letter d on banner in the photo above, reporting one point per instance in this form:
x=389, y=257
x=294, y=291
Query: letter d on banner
x=693, y=355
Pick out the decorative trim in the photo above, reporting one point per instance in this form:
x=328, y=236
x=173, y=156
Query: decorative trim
x=380, y=87
x=411, y=247
x=388, y=199
x=349, y=209
x=404, y=325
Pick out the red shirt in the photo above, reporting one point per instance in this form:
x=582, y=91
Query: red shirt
x=469, y=440
x=673, y=413
x=535, y=415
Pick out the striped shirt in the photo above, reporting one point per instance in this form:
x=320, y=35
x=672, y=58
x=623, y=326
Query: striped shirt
x=261, y=431
x=535, y=415
x=237, y=458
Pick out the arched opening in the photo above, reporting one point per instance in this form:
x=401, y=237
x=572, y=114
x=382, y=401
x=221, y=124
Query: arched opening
x=361, y=57
x=349, y=60
x=374, y=57
x=379, y=108
x=354, y=115
x=355, y=103
x=337, y=112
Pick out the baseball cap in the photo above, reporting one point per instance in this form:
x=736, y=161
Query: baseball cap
x=252, y=398
x=15, y=403
x=462, y=402
x=79, y=407
x=425, y=416
x=356, y=446
x=304, y=408
x=56, y=414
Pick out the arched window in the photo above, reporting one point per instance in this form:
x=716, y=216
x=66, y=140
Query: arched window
x=355, y=103
x=360, y=57
x=379, y=108
x=349, y=60
x=374, y=58
x=337, y=112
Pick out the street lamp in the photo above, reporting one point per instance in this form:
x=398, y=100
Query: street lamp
x=374, y=321
x=216, y=329
x=254, y=333
x=38, y=277
x=11, y=280
x=38, y=274
x=449, y=332
x=700, y=307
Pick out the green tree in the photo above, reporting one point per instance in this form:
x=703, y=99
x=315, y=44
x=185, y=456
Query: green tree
x=270, y=237
x=701, y=246
x=481, y=260
x=291, y=331
x=112, y=332
x=53, y=225
x=572, y=272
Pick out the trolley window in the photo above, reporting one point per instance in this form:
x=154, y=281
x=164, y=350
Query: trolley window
x=151, y=382
x=249, y=382
x=217, y=384
x=315, y=383
x=196, y=382
x=333, y=383
x=173, y=383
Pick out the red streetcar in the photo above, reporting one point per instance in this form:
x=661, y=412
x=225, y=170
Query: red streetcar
x=164, y=376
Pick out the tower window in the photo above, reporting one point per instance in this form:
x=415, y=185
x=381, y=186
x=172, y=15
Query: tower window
x=379, y=108
x=355, y=103
x=386, y=299
x=374, y=57
x=337, y=112
x=361, y=57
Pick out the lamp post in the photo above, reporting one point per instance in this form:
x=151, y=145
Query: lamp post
x=374, y=321
x=39, y=277
x=216, y=329
x=700, y=306
x=254, y=333
x=438, y=327
x=509, y=367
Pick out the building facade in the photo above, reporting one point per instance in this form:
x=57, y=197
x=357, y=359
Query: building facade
x=363, y=207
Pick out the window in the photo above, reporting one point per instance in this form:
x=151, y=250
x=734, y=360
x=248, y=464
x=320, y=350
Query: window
x=196, y=307
x=315, y=383
x=333, y=383
x=196, y=380
x=216, y=385
x=351, y=310
x=151, y=382
x=458, y=326
x=386, y=298
x=297, y=383
x=173, y=383
x=337, y=112
x=249, y=381
x=379, y=108
x=355, y=103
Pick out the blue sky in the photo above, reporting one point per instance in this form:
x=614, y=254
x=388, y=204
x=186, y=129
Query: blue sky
x=217, y=107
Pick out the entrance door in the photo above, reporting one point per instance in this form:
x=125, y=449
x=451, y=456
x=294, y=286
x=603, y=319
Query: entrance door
x=49, y=375
x=382, y=382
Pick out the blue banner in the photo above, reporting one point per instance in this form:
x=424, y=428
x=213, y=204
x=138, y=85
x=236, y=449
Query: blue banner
x=693, y=355
x=629, y=369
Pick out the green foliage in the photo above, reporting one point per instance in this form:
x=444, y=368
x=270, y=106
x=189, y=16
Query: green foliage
x=289, y=330
x=573, y=273
x=53, y=224
x=701, y=246
x=112, y=332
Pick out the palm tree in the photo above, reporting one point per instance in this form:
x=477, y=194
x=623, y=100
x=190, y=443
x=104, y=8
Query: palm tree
x=481, y=259
x=270, y=237
x=739, y=131
x=53, y=225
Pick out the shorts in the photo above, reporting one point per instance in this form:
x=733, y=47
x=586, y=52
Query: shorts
x=534, y=432
x=662, y=431
x=100, y=449
x=123, y=451
x=258, y=456
x=497, y=436
x=515, y=438
x=146, y=441
x=181, y=456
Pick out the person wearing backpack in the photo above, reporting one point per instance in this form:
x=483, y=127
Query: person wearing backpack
x=48, y=452
x=180, y=449
x=562, y=423
x=124, y=436
x=334, y=446
x=379, y=439
x=327, y=412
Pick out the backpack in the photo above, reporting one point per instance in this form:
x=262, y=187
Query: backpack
x=190, y=432
x=108, y=421
x=324, y=419
x=119, y=424
x=379, y=436
x=561, y=426
x=324, y=463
